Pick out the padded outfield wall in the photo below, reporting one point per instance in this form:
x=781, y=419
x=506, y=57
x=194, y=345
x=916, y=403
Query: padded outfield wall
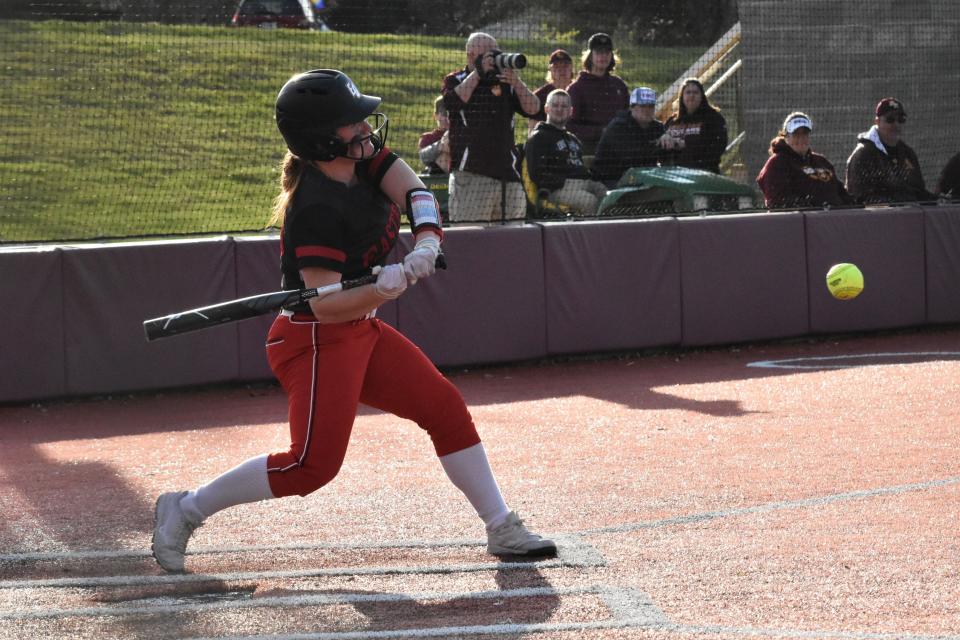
x=512, y=293
x=835, y=60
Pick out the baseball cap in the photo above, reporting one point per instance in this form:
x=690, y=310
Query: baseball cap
x=560, y=54
x=600, y=41
x=643, y=95
x=797, y=122
x=889, y=104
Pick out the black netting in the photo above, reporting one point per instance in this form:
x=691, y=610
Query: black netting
x=132, y=119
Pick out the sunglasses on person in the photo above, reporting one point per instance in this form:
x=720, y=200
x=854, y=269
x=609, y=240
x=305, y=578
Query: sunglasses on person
x=892, y=119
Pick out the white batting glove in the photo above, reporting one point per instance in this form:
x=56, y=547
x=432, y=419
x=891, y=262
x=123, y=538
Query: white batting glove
x=391, y=282
x=421, y=262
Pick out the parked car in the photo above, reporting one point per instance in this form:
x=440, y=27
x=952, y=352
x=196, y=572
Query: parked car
x=661, y=191
x=274, y=14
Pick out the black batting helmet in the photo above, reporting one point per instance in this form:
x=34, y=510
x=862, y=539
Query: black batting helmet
x=311, y=106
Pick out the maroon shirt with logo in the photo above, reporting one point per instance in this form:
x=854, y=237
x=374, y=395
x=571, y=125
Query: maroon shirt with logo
x=791, y=180
x=481, y=130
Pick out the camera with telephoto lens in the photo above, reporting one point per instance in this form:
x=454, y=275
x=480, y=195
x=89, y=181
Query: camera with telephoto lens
x=509, y=60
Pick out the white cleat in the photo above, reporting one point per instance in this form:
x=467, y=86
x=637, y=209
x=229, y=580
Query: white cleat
x=513, y=539
x=171, y=531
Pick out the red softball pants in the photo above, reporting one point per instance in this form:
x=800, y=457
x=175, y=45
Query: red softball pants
x=327, y=369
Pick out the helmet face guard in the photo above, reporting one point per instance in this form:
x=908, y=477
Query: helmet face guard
x=377, y=137
x=310, y=108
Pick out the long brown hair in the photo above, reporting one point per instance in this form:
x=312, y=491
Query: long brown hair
x=291, y=171
x=586, y=60
x=704, y=100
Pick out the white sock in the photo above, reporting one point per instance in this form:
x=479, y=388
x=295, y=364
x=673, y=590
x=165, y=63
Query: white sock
x=469, y=471
x=247, y=482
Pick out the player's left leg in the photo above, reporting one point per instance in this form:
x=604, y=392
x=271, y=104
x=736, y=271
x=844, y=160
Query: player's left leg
x=402, y=380
x=179, y=513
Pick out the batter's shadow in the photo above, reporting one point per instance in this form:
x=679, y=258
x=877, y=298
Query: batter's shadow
x=394, y=611
x=644, y=386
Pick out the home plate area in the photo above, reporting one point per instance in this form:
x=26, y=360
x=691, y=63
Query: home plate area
x=317, y=591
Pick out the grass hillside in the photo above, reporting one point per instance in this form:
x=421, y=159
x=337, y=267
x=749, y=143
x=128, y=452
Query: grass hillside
x=117, y=129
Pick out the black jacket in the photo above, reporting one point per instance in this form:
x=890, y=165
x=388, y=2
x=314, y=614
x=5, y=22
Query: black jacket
x=704, y=133
x=949, y=183
x=874, y=176
x=552, y=156
x=624, y=145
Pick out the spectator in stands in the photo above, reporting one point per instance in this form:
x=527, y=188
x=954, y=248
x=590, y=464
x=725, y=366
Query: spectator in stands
x=794, y=175
x=435, y=145
x=481, y=101
x=949, y=183
x=696, y=134
x=559, y=76
x=555, y=160
x=597, y=94
x=631, y=139
x=882, y=167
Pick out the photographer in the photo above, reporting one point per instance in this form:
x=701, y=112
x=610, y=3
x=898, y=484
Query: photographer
x=481, y=99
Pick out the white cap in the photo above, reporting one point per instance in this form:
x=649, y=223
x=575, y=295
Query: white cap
x=796, y=122
x=643, y=95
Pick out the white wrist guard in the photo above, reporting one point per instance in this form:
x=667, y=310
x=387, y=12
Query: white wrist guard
x=423, y=210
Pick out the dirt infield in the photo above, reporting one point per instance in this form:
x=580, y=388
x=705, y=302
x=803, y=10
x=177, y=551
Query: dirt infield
x=809, y=489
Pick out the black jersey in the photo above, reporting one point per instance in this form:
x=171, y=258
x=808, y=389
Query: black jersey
x=336, y=227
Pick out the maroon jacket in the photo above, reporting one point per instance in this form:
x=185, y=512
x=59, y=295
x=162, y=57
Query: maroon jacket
x=789, y=180
x=481, y=130
x=596, y=100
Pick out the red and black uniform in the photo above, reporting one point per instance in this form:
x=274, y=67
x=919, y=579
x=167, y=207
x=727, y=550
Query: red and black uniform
x=327, y=369
x=595, y=100
x=791, y=180
x=704, y=134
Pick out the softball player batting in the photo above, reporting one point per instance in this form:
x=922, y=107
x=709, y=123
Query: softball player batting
x=339, y=208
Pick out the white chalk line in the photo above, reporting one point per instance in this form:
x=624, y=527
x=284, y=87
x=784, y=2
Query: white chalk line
x=572, y=552
x=575, y=544
x=785, y=363
x=555, y=627
x=620, y=601
x=322, y=600
x=94, y=554
x=774, y=506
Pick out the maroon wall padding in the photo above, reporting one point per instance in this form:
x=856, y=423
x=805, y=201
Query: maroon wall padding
x=942, y=232
x=488, y=306
x=31, y=325
x=887, y=245
x=743, y=278
x=109, y=290
x=258, y=271
x=611, y=285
